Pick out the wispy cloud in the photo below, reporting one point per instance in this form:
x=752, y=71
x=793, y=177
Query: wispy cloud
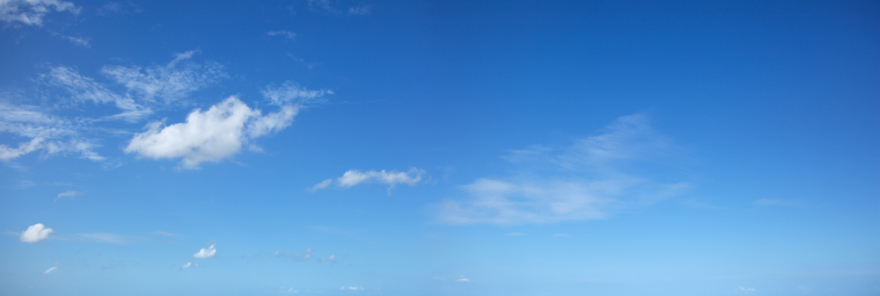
x=166, y=233
x=43, y=131
x=291, y=93
x=462, y=279
x=283, y=33
x=583, y=181
x=360, y=10
x=51, y=269
x=304, y=255
x=109, y=238
x=746, y=290
x=35, y=233
x=167, y=83
x=31, y=12
x=392, y=178
x=204, y=253
x=83, y=89
x=67, y=194
x=330, y=258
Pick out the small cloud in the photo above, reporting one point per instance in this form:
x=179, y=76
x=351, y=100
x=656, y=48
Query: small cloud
x=775, y=202
x=35, y=233
x=31, y=12
x=282, y=33
x=304, y=255
x=67, y=194
x=205, y=253
x=292, y=291
x=462, y=279
x=331, y=258
x=51, y=269
x=360, y=10
x=392, y=178
x=747, y=290
x=352, y=288
x=189, y=265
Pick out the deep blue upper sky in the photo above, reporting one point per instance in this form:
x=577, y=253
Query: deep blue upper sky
x=440, y=147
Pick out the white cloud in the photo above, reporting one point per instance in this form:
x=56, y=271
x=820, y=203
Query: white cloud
x=83, y=88
x=352, y=288
x=205, y=253
x=329, y=258
x=304, y=255
x=171, y=82
x=583, y=181
x=31, y=12
x=746, y=290
x=212, y=135
x=69, y=194
x=292, y=93
x=360, y=10
x=35, y=233
x=51, y=269
x=462, y=279
x=43, y=131
x=392, y=178
x=189, y=265
x=282, y=33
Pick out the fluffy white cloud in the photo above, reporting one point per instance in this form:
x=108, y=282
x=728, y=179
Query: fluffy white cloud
x=392, y=178
x=583, y=181
x=205, y=253
x=171, y=82
x=31, y=12
x=51, y=269
x=212, y=135
x=35, y=233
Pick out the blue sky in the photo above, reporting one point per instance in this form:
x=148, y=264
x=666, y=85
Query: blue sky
x=440, y=148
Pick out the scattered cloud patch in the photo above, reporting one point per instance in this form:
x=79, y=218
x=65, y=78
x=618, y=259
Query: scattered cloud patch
x=292, y=93
x=360, y=10
x=283, y=33
x=83, y=89
x=330, y=258
x=304, y=255
x=462, y=279
x=167, y=83
x=31, y=12
x=586, y=180
x=43, y=131
x=392, y=178
x=35, y=233
x=67, y=194
x=84, y=42
x=746, y=290
x=351, y=288
x=51, y=269
x=189, y=265
x=204, y=253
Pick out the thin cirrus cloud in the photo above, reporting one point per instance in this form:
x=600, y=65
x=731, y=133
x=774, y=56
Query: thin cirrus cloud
x=42, y=131
x=51, y=269
x=31, y=12
x=168, y=83
x=35, y=233
x=355, y=177
x=283, y=33
x=205, y=253
x=67, y=194
x=586, y=180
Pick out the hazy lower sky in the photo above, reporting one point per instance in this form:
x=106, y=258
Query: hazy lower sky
x=439, y=147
